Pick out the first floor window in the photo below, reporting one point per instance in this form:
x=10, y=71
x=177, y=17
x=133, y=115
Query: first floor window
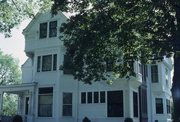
x=96, y=97
x=83, y=97
x=135, y=104
x=159, y=106
x=89, y=97
x=45, y=102
x=115, y=104
x=102, y=97
x=168, y=106
x=67, y=104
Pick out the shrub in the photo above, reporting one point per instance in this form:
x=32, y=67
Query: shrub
x=17, y=118
x=128, y=120
x=86, y=119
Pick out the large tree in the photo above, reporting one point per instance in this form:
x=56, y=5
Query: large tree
x=9, y=70
x=13, y=12
x=9, y=74
x=115, y=33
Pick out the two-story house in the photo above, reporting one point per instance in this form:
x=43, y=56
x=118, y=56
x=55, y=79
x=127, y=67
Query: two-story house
x=50, y=94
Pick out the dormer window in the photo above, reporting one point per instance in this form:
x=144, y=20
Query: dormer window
x=48, y=29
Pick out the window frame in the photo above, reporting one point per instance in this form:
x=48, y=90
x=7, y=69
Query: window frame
x=40, y=63
x=154, y=74
x=41, y=31
x=48, y=30
x=45, y=93
x=159, y=106
x=51, y=29
x=168, y=106
x=44, y=63
x=67, y=104
x=83, y=98
x=111, y=113
x=135, y=104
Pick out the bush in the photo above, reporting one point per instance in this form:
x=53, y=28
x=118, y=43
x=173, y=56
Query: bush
x=86, y=119
x=128, y=120
x=17, y=118
x=156, y=120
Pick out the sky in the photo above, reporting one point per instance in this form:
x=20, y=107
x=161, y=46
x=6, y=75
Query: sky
x=15, y=44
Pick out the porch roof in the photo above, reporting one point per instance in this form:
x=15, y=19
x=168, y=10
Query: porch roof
x=17, y=88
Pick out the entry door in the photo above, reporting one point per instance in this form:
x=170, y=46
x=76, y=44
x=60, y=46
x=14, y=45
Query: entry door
x=26, y=105
x=115, y=103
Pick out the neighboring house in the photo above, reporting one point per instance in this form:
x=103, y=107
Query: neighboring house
x=49, y=94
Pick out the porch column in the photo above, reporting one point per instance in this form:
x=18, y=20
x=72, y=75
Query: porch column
x=128, y=108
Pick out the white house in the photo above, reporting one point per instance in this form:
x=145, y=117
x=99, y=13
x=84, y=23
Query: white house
x=48, y=94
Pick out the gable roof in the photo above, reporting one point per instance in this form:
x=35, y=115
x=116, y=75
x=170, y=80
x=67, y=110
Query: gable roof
x=34, y=19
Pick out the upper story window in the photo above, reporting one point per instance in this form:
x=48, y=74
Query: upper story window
x=53, y=29
x=48, y=63
x=144, y=72
x=68, y=64
x=44, y=31
x=154, y=73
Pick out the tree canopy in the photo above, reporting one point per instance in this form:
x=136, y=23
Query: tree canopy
x=115, y=33
x=13, y=12
x=9, y=70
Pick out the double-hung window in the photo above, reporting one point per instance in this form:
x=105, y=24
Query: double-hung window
x=43, y=30
x=154, y=74
x=48, y=28
x=67, y=104
x=135, y=104
x=48, y=63
x=45, y=102
x=159, y=105
x=53, y=29
x=168, y=106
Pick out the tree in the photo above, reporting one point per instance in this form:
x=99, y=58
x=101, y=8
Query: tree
x=119, y=32
x=9, y=70
x=13, y=12
x=115, y=33
x=9, y=74
x=10, y=103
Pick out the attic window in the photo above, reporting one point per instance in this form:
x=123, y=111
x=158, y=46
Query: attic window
x=53, y=29
x=48, y=28
x=43, y=30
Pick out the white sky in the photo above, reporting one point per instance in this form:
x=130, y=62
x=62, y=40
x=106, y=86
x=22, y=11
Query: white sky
x=15, y=44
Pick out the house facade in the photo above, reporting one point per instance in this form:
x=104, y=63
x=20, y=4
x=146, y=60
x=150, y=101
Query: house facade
x=50, y=94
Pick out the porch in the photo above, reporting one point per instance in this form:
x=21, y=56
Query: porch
x=25, y=105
